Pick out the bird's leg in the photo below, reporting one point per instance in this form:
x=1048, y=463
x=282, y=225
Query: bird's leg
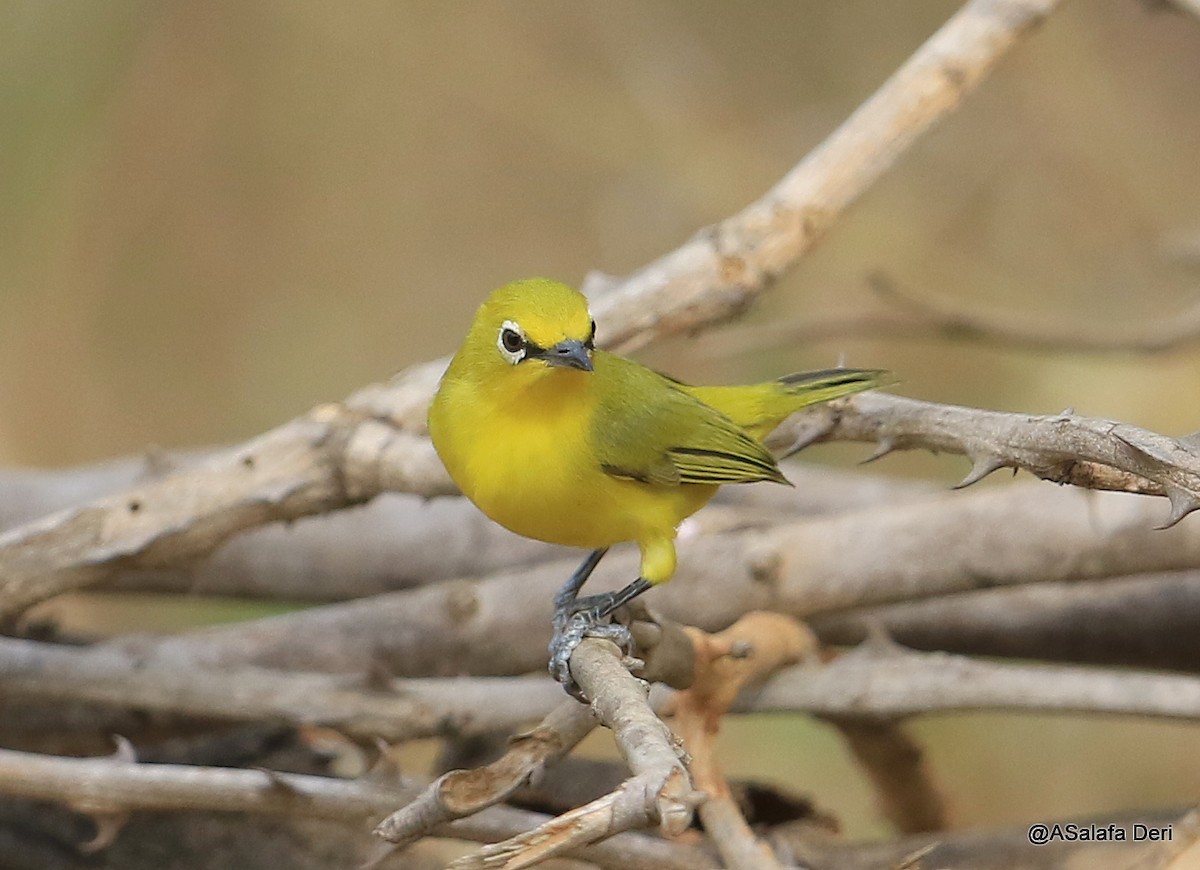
x=564, y=601
x=585, y=617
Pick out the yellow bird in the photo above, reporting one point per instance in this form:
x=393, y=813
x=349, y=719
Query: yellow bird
x=564, y=443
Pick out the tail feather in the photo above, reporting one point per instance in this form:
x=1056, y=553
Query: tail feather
x=759, y=408
x=826, y=384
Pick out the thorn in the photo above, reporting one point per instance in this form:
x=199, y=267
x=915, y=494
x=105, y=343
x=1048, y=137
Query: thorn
x=1182, y=504
x=981, y=467
x=883, y=447
x=841, y=360
x=1067, y=412
x=108, y=826
x=807, y=436
x=124, y=750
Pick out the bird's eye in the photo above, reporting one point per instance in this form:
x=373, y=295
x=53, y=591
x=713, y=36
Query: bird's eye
x=512, y=340
x=590, y=344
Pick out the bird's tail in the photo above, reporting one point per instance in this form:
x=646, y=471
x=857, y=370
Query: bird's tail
x=811, y=388
x=759, y=408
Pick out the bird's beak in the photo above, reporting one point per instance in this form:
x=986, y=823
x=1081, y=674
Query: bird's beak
x=568, y=354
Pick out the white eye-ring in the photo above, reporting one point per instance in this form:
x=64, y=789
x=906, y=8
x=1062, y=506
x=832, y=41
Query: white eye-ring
x=511, y=342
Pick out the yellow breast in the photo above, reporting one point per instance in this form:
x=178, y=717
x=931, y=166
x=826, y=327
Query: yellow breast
x=524, y=458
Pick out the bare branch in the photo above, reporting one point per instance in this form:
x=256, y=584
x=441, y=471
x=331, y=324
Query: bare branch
x=328, y=459
x=958, y=542
x=1147, y=621
x=110, y=785
x=886, y=681
x=393, y=710
x=397, y=541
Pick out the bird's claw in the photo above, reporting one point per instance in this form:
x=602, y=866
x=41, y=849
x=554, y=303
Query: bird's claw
x=570, y=628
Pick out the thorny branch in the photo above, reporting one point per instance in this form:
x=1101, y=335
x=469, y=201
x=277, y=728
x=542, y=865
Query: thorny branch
x=1065, y=448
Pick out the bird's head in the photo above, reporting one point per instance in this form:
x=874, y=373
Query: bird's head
x=532, y=326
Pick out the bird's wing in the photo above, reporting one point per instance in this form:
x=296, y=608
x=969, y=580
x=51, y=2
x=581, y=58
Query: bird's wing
x=649, y=429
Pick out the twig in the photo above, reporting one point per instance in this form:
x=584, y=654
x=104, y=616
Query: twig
x=747, y=652
x=1065, y=448
x=659, y=791
x=462, y=793
x=884, y=681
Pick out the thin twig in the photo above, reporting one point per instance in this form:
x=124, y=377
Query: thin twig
x=659, y=791
x=462, y=793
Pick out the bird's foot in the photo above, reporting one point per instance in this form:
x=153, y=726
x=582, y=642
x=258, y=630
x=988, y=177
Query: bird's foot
x=575, y=620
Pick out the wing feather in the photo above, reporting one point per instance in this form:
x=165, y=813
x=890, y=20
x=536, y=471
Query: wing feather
x=651, y=430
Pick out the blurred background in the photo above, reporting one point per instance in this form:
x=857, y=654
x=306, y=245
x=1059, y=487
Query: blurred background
x=215, y=215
